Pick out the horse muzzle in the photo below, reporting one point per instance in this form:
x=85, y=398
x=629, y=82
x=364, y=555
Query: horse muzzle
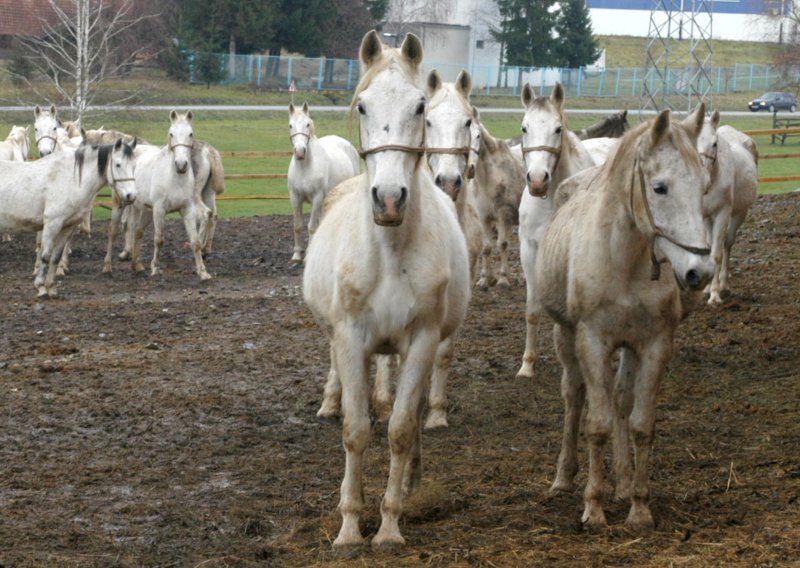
x=300, y=154
x=538, y=184
x=182, y=166
x=388, y=208
x=450, y=187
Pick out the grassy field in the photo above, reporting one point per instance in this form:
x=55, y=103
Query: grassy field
x=248, y=130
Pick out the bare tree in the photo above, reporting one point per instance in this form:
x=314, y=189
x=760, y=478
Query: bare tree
x=403, y=15
x=83, y=46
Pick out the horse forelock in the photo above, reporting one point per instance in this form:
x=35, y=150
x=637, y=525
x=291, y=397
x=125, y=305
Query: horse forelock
x=545, y=104
x=391, y=58
x=447, y=92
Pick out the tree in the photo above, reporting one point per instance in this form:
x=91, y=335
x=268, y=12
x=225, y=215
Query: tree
x=575, y=46
x=526, y=32
x=402, y=15
x=87, y=45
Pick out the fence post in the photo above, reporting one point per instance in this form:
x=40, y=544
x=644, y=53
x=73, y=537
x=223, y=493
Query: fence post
x=321, y=73
x=580, y=78
x=488, y=79
x=633, y=83
x=766, y=76
x=541, y=81
x=289, y=72
x=258, y=76
x=719, y=78
x=735, y=72
x=250, y=68
x=349, y=74
x=616, y=84
x=601, y=82
x=752, y=66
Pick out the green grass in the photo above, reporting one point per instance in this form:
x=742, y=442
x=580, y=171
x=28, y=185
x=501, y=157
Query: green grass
x=249, y=130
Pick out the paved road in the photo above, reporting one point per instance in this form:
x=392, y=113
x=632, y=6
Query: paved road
x=282, y=108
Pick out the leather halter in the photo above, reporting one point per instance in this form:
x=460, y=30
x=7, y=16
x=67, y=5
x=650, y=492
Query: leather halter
x=552, y=149
x=419, y=150
x=173, y=146
x=469, y=173
x=712, y=157
x=46, y=137
x=306, y=134
x=656, y=232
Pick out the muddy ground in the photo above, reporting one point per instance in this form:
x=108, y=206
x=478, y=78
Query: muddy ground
x=161, y=422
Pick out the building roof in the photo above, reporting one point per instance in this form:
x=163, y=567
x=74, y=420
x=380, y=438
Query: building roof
x=27, y=17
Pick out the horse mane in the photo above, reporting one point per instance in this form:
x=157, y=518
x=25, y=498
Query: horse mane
x=103, y=152
x=390, y=57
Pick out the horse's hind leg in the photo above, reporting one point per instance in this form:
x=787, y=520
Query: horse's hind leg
x=719, y=228
x=53, y=236
x=486, y=278
x=642, y=424
x=573, y=391
x=437, y=395
x=113, y=228
x=382, y=389
x=138, y=221
x=207, y=235
x=502, y=246
x=623, y=401
x=527, y=251
x=332, y=395
x=63, y=263
x=730, y=237
x=60, y=248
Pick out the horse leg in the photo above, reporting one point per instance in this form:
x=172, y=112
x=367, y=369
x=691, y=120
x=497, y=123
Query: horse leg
x=189, y=214
x=437, y=395
x=412, y=476
x=733, y=227
x=642, y=424
x=719, y=229
x=297, y=209
x=623, y=401
x=527, y=252
x=46, y=239
x=129, y=228
x=60, y=248
x=403, y=429
x=138, y=221
x=63, y=263
x=382, y=389
x=595, y=365
x=352, y=366
x=502, y=246
x=113, y=228
x=486, y=277
x=573, y=391
x=210, y=201
x=316, y=213
x=332, y=395
x=37, y=263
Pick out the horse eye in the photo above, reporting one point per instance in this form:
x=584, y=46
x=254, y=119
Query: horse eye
x=524, y=129
x=428, y=123
x=170, y=134
x=421, y=108
x=361, y=109
x=715, y=145
x=660, y=188
x=191, y=134
x=469, y=123
x=558, y=130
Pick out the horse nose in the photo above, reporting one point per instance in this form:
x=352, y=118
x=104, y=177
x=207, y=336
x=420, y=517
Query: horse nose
x=538, y=182
x=697, y=278
x=388, y=205
x=438, y=181
x=181, y=166
x=300, y=153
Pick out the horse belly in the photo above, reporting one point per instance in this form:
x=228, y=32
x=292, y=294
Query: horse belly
x=393, y=308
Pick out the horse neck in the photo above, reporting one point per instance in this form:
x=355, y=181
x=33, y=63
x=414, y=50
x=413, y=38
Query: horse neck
x=90, y=179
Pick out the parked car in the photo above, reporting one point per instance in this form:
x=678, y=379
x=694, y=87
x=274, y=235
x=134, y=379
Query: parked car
x=773, y=102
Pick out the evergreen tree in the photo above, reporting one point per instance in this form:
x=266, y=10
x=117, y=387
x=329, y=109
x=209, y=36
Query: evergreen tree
x=236, y=26
x=575, y=46
x=526, y=32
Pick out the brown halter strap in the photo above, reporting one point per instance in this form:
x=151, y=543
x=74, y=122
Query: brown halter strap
x=173, y=146
x=469, y=173
x=712, y=157
x=419, y=150
x=46, y=137
x=655, y=272
x=306, y=134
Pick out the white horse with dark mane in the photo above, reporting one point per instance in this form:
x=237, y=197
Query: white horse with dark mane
x=387, y=272
x=15, y=148
x=732, y=162
x=53, y=195
x=317, y=165
x=552, y=153
x=165, y=184
x=598, y=275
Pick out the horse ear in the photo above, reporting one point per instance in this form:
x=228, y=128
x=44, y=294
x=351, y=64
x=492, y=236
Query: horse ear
x=660, y=127
x=624, y=114
x=557, y=96
x=173, y=115
x=83, y=136
x=434, y=83
x=527, y=95
x=37, y=111
x=715, y=119
x=291, y=109
x=371, y=48
x=53, y=110
x=189, y=116
x=464, y=83
x=412, y=50
x=134, y=143
x=694, y=122
x=118, y=144
x=476, y=114
x=305, y=108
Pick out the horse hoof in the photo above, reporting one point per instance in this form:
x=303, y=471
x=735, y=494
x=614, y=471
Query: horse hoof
x=594, y=520
x=560, y=486
x=124, y=255
x=640, y=520
x=525, y=372
x=205, y=277
x=349, y=550
x=388, y=543
x=503, y=283
x=328, y=414
x=436, y=419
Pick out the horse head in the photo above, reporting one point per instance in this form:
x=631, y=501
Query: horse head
x=120, y=170
x=667, y=187
x=181, y=140
x=391, y=108
x=543, y=129
x=301, y=129
x=45, y=128
x=448, y=131
x=707, y=140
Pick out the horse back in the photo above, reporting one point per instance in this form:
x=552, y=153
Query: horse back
x=343, y=158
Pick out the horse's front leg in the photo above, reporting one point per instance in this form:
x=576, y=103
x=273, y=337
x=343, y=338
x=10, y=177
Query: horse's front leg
x=623, y=404
x=382, y=389
x=573, y=391
x=316, y=213
x=63, y=263
x=128, y=222
x=403, y=431
x=437, y=395
x=502, y=246
x=45, y=245
x=528, y=249
x=486, y=278
x=113, y=227
x=595, y=364
x=37, y=263
x=352, y=366
x=159, y=216
x=297, y=212
x=138, y=221
x=642, y=425
x=210, y=201
x=189, y=214
x=719, y=229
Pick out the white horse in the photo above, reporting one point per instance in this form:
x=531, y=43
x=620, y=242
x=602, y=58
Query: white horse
x=45, y=129
x=317, y=165
x=499, y=171
x=15, y=147
x=552, y=154
x=387, y=272
x=600, y=148
x=53, y=194
x=165, y=184
x=733, y=168
x=598, y=276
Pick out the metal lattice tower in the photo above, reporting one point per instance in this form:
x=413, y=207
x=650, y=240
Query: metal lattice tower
x=677, y=52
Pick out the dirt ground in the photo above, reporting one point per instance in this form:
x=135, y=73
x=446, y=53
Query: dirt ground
x=161, y=422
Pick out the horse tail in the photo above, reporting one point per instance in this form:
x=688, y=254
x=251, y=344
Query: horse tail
x=217, y=177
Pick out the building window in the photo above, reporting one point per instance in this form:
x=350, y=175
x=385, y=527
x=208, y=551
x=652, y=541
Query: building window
x=479, y=44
